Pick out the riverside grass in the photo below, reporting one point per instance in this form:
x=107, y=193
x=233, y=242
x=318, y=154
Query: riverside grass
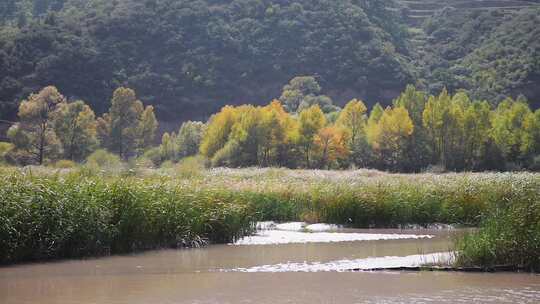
x=510, y=236
x=48, y=213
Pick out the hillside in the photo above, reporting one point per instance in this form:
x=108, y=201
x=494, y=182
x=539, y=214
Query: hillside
x=492, y=54
x=189, y=58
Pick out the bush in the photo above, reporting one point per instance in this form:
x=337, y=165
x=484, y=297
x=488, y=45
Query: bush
x=141, y=162
x=154, y=155
x=104, y=160
x=65, y=164
x=4, y=149
x=190, y=167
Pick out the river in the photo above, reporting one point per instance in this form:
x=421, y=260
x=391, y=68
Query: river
x=278, y=266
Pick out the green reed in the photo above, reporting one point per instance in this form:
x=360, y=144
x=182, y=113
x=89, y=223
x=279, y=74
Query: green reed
x=60, y=213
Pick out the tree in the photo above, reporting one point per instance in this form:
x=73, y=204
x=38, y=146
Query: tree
x=218, y=131
x=531, y=141
x=508, y=128
x=297, y=89
x=189, y=138
x=330, y=146
x=75, y=125
x=302, y=93
x=147, y=129
x=276, y=128
x=455, y=139
x=34, y=134
x=414, y=101
x=418, y=152
x=246, y=137
x=128, y=128
x=436, y=118
x=389, y=138
x=352, y=119
x=373, y=122
x=168, y=150
x=476, y=123
x=324, y=102
x=311, y=121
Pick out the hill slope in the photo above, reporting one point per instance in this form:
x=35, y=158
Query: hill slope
x=189, y=58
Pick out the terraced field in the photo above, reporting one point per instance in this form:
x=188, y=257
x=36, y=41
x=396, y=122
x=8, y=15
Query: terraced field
x=419, y=10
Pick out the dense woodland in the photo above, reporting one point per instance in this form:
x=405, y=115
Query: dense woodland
x=189, y=58
x=301, y=129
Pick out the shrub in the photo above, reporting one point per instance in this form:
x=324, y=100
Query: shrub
x=65, y=164
x=104, y=160
x=4, y=149
x=154, y=155
x=190, y=167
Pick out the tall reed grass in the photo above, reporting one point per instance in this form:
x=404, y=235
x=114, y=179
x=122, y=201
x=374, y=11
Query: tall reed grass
x=61, y=216
x=509, y=236
x=46, y=213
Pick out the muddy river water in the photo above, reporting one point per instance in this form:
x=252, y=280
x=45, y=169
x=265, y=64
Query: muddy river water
x=277, y=266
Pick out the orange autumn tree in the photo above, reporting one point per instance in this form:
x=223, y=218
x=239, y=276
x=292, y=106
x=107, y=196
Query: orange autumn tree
x=331, y=146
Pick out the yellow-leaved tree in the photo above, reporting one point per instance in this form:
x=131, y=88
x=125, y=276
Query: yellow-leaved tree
x=310, y=121
x=352, y=120
x=390, y=135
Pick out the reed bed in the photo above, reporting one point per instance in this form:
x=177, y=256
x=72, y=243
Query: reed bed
x=508, y=237
x=58, y=213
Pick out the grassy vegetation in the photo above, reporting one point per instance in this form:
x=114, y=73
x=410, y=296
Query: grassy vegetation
x=510, y=235
x=44, y=216
x=54, y=213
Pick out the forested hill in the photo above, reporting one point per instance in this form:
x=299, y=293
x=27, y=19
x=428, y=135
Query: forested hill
x=188, y=58
x=191, y=57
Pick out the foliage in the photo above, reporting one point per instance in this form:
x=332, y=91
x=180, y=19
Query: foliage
x=509, y=236
x=75, y=125
x=194, y=57
x=65, y=164
x=508, y=128
x=330, y=147
x=417, y=131
x=4, y=149
x=128, y=128
x=390, y=135
x=302, y=93
x=56, y=214
x=101, y=159
x=491, y=54
x=189, y=138
x=34, y=135
x=310, y=122
x=48, y=217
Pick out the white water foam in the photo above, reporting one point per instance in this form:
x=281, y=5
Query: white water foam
x=277, y=237
x=322, y=227
x=359, y=264
x=293, y=226
x=297, y=226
